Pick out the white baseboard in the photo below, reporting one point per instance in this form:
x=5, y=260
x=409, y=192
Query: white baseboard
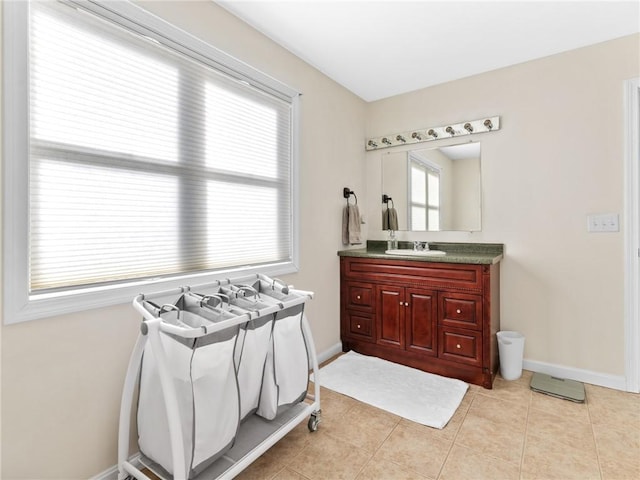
x=330, y=352
x=112, y=473
x=617, y=382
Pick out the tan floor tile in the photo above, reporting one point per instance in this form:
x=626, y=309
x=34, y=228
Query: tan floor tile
x=494, y=427
x=288, y=474
x=499, y=410
x=512, y=390
x=265, y=467
x=365, y=426
x=548, y=459
x=293, y=443
x=618, y=452
x=415, y=447
x=576, y=411
x=612, y=406
x=335, y=405
x=543, y=426
x=329, y=458
x=380, y=469
x=490, y=437
x=464, y=463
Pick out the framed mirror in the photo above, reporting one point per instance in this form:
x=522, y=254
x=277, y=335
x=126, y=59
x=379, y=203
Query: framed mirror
x=434, y=189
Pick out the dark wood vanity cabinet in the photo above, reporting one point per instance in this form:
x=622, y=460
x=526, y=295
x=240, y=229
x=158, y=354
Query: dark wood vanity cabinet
x=439, y=317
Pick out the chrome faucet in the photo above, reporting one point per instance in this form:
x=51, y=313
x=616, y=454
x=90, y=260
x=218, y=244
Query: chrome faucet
x=420, y=246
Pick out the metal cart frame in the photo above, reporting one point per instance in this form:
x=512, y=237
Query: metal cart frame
x=259, y=437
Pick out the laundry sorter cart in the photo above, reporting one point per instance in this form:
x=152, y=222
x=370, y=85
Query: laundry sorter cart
x=222, y=372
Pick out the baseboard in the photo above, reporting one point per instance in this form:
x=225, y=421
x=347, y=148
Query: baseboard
x=617, y=382
x=330, y=352
x=112, y=473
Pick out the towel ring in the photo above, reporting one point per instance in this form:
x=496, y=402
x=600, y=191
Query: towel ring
x=347, y=192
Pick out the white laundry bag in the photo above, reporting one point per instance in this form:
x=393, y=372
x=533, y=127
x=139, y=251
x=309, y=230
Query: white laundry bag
x=252, y=346
x=286, y=371
x=204, y=379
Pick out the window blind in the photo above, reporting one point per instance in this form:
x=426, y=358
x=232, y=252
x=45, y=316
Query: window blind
x=146, y=163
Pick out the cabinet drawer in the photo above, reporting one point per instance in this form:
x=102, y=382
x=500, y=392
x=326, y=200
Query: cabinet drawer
x=360, y=325
x=463, y=346
x=360, y=296
x=461, y=310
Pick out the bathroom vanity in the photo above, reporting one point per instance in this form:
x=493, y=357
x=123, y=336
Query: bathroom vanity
x=439, y=314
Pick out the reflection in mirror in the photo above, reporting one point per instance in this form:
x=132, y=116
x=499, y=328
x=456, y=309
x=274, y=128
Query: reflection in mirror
x=435, y=189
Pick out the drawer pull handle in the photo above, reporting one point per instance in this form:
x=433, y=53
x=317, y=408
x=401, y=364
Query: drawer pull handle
x=458, y=346
x=457, y=311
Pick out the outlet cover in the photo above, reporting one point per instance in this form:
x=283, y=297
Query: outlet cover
x=603, y=222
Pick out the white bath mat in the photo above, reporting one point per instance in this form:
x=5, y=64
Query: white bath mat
x=410, y=393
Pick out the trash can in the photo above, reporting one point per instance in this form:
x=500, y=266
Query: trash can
x=511, y=350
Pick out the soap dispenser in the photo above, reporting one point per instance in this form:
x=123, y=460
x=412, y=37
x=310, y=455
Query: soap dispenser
x=392, y=242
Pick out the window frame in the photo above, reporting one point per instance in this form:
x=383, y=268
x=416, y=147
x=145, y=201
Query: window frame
x=19, y=304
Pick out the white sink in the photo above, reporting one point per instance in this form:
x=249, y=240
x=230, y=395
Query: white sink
x=416, y=253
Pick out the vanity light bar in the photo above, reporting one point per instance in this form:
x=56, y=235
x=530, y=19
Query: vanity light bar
x=472, y=127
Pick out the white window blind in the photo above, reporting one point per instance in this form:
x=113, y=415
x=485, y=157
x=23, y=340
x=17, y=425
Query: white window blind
x=146, y=162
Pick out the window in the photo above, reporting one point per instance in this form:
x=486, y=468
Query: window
x=136, y=157
x=424, y=194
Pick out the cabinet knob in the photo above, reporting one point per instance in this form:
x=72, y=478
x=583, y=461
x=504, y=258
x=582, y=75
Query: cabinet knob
x=358, y=326
x=458, y=345
x=406, y=304
x=457, y=311
x=358, y=297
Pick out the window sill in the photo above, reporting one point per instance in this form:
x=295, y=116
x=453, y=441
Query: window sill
x=53, y=304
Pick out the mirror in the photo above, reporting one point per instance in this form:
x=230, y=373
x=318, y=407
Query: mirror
x=434, y=189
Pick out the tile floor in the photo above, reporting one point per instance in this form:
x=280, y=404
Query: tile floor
x=506, y=433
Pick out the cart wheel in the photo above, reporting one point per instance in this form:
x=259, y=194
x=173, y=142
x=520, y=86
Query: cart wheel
x=314, y=421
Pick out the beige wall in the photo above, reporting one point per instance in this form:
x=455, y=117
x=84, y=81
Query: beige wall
x=62, y=377
x=557, y=157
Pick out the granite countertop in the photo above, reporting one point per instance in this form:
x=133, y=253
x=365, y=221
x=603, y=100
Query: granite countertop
x=472, y=253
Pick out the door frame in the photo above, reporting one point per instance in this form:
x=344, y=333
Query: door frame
x=632, y=234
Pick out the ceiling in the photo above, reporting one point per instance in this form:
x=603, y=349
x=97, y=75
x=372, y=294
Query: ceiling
x=379, y=49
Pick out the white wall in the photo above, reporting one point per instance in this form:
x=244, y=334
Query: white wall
x=62, y=377
x=557, y=157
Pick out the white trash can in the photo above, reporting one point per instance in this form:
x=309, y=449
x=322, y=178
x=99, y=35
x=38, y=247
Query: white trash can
x=511, y=350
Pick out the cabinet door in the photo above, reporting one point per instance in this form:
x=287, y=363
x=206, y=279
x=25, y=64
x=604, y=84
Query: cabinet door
x=390, y=316
x=421, y=321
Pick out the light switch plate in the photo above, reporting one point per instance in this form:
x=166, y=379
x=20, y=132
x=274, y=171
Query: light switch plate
x=603, y=222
